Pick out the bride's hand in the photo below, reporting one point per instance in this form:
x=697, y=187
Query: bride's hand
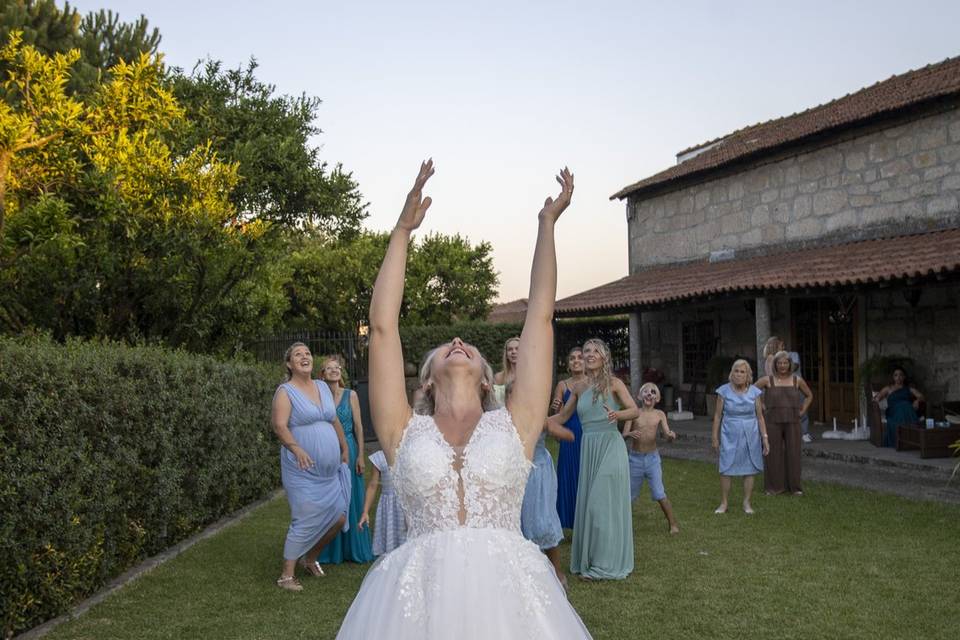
x=553, y=208
x=416, y=205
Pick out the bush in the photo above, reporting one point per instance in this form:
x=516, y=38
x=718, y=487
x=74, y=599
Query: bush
x=110, y=454
x=488, y=338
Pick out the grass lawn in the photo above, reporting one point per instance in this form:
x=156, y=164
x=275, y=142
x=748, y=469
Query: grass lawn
x=836, y=563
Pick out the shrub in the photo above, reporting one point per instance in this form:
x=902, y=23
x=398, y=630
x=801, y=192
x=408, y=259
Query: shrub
x=488, y=338
x=110, y=454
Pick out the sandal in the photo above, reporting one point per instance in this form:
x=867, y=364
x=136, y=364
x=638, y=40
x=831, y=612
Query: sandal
x=313, y=568
x=290, y=583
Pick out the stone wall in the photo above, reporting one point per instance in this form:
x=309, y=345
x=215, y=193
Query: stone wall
x=908, y=174
x=661, y=339
x=928, y=333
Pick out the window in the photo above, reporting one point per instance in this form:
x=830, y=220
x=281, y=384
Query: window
x=699, y=345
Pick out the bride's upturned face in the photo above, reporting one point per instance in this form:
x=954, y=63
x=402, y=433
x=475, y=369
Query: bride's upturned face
x=457, y=358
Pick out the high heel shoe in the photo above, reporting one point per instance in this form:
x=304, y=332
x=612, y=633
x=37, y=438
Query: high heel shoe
x=313, y=568
x=289, y=583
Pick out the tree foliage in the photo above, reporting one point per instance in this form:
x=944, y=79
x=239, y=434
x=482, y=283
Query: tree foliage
x=282, y=178
x=109, y=231
x=448, y=280
x=101, y=39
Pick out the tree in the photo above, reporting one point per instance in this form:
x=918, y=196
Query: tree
x=448, y=280
x=101, y=38
x=110, y=231
x=282, y=178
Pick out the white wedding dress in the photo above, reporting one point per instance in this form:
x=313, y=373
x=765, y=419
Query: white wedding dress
x=465, y=571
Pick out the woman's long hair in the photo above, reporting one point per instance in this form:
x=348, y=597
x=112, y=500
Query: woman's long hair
x=426, y=404
x=335, y=358
x=736, y=364
x=286, y=359
x=508, y=372
x=772, y=346
x=599, y=379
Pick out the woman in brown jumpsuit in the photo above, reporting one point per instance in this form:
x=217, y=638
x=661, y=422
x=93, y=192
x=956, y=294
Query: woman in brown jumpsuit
x=782, y=412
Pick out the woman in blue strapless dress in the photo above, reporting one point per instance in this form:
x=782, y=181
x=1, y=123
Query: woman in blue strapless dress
x=313, y=465
x=568, y=459
x=903, y=400
x=354, y=544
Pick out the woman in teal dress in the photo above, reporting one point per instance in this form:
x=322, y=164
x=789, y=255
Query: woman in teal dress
x=903, y=401
x=602, y=547
x=354, y=544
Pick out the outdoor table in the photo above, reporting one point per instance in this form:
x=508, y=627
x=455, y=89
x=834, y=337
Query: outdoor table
x=933, y=443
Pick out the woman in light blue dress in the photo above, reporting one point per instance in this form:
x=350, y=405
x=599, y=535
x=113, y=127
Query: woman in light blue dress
x=739, y=433
x=390, y=528
x=354, y=544
x=539, y=521
x=602, y=547
x=313, y=465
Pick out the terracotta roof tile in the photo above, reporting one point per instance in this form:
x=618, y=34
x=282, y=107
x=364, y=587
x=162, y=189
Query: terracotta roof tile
x=883, y=98
x=513, y=311
x=864, y=262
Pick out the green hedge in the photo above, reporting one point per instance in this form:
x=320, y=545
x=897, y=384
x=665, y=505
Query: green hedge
x=488, y=338
x=110, y=454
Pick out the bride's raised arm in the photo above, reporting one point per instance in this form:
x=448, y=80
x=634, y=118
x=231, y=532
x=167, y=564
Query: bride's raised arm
x=531, y=388
x=388, y=397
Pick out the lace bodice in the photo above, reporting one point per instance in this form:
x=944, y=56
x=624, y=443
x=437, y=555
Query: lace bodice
x=492, y=467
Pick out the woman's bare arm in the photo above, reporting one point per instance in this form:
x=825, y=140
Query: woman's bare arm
x=357, y=430
x=279, y=419
x=388, y=396
x=531, y=390
x=622, y=394
x=368, y=497
x=568, y=409
x=807, y=395
x=764, y=440
x=717, y=416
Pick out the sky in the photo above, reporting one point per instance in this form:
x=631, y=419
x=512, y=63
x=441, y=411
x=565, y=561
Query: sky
x=502, y=94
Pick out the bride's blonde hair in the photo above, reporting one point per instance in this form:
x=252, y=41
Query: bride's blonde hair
x=426, y=402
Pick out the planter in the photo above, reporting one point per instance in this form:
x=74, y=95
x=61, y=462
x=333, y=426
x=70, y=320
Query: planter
x=711, y=402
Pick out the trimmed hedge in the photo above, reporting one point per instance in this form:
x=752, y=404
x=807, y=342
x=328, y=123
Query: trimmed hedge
x=110, y=454
x=488, y=338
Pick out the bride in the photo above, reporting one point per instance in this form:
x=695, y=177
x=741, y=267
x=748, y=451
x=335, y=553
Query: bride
x=460, y=467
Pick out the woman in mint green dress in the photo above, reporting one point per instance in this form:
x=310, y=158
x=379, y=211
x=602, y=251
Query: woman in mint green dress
x=354, y=544
x=602, y=547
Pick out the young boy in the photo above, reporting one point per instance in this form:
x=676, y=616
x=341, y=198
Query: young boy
x=641, y=436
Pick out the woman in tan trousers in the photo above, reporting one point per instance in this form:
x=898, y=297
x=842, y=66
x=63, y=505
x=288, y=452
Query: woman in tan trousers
x=782, y=411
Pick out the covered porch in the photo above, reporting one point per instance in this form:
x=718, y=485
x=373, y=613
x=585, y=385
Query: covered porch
x=841, y=307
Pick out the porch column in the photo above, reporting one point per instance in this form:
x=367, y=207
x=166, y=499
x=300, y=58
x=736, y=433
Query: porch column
x=636, y=365
x=763, y=331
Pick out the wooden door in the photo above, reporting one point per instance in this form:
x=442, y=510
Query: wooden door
x=825, y=336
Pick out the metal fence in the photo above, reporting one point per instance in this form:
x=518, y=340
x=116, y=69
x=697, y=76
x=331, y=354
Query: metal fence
x=351, y=347
x=614, y=331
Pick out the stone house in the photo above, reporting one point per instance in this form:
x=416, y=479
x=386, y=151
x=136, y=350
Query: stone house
x=836, y=228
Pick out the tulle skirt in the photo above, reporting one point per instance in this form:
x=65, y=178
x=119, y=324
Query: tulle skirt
x=464, y=583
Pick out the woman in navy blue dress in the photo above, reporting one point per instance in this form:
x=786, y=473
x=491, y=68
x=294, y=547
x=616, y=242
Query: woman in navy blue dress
x=313, y=465
x=568, y=459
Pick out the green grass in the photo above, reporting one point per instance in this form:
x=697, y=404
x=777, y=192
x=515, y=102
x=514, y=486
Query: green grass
x=837, y=563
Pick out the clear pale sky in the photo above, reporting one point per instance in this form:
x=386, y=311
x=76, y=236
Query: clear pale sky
x=504, y=94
